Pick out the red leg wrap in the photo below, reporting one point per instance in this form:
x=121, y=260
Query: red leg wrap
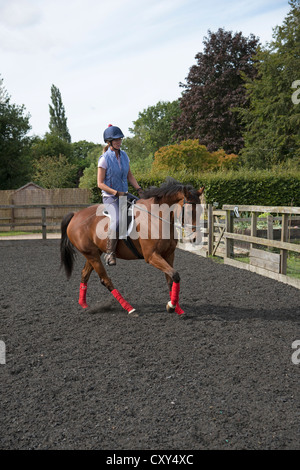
x=121, y=300
x=82, y=295
x=175, y=293
x=177, y=308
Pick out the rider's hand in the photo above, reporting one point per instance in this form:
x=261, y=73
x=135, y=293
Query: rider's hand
x=121, y=193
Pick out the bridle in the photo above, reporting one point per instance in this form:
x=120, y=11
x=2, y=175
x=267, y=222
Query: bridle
x=188, y=229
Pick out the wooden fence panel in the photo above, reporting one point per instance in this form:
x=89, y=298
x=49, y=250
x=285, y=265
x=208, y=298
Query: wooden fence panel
x=265, y=259
x=223, y=239
x=263, y=262
x=30, y=197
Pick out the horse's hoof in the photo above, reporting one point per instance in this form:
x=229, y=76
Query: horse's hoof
x=170, y=307
x=133, y=313
x=181, y=315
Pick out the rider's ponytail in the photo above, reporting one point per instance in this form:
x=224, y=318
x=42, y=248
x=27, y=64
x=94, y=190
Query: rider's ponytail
x=106, y=148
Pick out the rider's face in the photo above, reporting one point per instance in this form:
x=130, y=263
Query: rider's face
x=116, y=144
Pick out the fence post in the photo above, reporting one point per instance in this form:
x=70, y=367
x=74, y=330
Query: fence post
x=229, y=229
x=284, y=238
x=210, y=229
x=253, y=232
x=44, y=225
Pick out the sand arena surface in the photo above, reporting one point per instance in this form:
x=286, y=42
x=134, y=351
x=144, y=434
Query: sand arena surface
x=220, y=378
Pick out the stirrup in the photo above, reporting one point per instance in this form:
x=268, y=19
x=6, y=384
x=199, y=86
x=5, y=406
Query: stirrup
x=110, y=259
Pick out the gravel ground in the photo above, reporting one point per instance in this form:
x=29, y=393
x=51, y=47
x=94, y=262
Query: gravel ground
x=220, y=378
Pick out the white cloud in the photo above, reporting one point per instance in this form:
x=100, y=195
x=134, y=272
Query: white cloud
x=19, y=13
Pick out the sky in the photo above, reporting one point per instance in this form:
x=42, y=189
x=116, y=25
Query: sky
x=113, y=59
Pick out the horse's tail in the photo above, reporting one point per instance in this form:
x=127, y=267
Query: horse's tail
x=67, y=250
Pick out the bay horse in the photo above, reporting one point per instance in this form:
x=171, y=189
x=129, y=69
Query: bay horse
x=86, y=230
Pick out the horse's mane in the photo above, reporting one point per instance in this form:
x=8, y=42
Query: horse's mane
x=169, y=188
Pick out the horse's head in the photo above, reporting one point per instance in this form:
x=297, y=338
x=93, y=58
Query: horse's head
x=183, y=201
x=190, y=203
x=192, y=195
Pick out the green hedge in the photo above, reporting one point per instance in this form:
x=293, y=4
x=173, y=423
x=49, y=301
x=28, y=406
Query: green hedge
x=240, y=187
x=253, y=188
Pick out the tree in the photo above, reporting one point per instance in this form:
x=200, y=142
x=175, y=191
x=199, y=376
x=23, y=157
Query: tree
x=55, y=172
x=77, y=154
x=272, y=122
x=3, y=93
x=154, y=124
x=89, y=177
x=58, y=121
x=85, y=154
x=152, y=130
x=190, y=156
x=214, y=89
x=15, y=163
x=82, y=149
x=50, y=145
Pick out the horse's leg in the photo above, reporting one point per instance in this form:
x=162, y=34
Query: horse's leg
x=85, y=275
x=156, y=260
x=170, y=260
x=95, y=261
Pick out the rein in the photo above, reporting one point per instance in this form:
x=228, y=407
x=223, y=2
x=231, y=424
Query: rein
x=165, y=220
x=179, y=226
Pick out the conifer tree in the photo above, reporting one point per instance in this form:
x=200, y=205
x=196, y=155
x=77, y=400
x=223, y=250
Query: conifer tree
x=58, y=121
x=3, y=93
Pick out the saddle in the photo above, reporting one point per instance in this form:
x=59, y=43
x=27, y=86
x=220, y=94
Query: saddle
x=131, y=200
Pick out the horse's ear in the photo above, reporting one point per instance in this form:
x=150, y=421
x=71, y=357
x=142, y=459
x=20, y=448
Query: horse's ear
x=200, y=191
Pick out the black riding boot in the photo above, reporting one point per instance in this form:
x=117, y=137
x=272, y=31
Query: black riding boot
x=110, y=257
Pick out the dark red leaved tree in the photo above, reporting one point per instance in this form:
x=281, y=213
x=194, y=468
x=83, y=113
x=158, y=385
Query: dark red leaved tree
x=214, y=88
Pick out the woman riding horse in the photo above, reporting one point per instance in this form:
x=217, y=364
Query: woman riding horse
x=81, y=230
x=113, y=176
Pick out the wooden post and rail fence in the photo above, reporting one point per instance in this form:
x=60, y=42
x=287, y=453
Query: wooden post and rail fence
x=267, y=256
x=40, y=222
x=220, y=236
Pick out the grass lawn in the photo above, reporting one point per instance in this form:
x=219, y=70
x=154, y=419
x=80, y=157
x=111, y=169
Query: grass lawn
x=12, y=233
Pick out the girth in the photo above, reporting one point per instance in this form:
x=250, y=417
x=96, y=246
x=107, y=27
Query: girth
x=132, y=247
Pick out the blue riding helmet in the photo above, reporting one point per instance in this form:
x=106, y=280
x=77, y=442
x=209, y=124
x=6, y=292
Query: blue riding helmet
x=112, y=133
